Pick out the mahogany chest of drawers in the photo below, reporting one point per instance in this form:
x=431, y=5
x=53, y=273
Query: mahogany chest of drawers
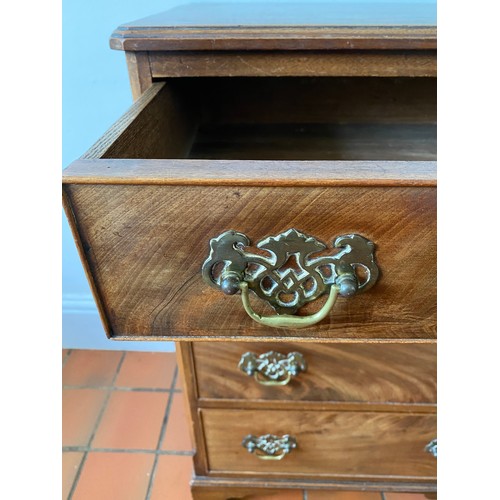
x=288, y=150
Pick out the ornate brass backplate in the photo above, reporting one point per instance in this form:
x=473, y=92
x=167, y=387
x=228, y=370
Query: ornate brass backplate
x=290, y=269
x=269, y=446
x=272, y=368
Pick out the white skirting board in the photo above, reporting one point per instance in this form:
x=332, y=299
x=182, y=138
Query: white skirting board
x=82, y=329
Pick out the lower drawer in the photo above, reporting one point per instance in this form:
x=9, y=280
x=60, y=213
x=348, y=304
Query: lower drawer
x=338, y=444
x=378, y=373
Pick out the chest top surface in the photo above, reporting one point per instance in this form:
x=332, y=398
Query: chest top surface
x=284, y=26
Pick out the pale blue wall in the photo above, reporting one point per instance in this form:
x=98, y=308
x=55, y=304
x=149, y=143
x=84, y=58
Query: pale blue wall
x=95, y=93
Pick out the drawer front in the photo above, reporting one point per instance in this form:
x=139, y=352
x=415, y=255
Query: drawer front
x=337, y=444
x=145, y=246
x=396, y=373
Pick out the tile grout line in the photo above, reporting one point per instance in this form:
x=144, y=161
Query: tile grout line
x=127, y=450
x=96, y=426
x=162, y=434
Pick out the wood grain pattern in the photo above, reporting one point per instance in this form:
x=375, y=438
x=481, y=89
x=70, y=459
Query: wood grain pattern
x=226, y=486
x=270, y=404
x=254, y=173
x=278, y=26
x=279, y=38
x=159, y=113
x=145, y=246
x=298, y=63
x=85, y=263
x=187, y=373
x=139, y=72
x=344, y=445
x=251, y=493
x=328, y=38
x=342, y=373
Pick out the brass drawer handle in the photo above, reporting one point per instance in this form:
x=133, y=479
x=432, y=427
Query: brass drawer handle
x=432, y=448
x=272, y=368
x=269, y=446
x=287, y=274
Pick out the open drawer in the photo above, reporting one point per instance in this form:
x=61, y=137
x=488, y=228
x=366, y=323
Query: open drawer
x=196, y=157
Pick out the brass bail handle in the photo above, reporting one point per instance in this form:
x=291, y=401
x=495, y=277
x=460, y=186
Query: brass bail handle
x=264, y=381
x=295, y=267
x=289, y=320
x=263, y=456
x=346, y=285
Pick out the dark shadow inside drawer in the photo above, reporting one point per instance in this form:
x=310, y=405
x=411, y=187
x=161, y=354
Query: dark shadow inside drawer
x=288, y=118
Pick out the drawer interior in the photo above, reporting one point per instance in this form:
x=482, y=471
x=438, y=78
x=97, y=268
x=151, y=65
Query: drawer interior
x=287, y=118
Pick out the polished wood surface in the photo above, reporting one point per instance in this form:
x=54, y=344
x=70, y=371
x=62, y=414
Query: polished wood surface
x=320, y=39
x=231, y=488
x=283, y=26
x=336, y=444
x=276, y=38
x=187, y=374
x=383, y=373
x=222, y=492
x=145, y=246
x=260, y=173
x=158, y=125
x=139, y=72
x=293, y=63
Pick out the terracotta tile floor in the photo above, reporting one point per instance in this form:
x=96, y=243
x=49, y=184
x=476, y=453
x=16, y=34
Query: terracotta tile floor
x=125, y=434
